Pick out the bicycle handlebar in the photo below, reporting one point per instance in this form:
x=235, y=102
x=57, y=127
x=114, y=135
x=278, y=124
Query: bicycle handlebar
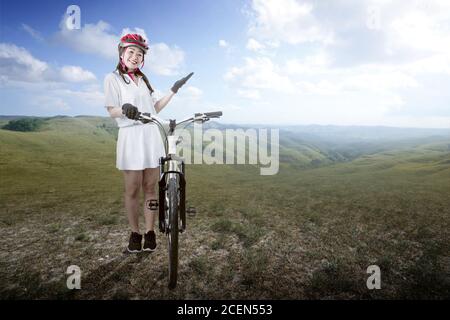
x=215, y=114
x=202, y=117
x=197, y=117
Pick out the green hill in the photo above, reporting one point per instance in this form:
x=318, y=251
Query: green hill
x=308, y=232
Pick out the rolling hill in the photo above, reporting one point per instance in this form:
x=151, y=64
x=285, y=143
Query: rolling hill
x=343, y=199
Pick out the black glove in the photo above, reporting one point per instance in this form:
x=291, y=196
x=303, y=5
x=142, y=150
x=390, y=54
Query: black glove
x=130, y=111
x=145, y=120
x=177, y=85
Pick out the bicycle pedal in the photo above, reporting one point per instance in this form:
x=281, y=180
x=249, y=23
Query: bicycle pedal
x=191, y=211
x=152, y=204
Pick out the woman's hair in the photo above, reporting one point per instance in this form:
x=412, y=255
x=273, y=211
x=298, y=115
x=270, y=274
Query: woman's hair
x=122, y=71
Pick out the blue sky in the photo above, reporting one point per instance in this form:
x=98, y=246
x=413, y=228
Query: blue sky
x=360, y=62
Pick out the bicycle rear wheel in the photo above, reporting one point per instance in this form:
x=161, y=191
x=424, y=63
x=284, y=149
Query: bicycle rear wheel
x=172, y=234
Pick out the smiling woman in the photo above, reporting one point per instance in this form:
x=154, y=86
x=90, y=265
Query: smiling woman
x=132, y=48
x=139, y=145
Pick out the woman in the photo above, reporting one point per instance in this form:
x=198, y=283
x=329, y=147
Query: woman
x=139, y=146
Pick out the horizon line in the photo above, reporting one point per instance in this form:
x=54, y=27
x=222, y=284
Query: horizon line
x=258, y=124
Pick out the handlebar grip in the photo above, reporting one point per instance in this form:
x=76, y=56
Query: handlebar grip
x=214, y=114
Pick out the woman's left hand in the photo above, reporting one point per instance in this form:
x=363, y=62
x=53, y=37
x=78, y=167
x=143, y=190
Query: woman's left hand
x=177, y=85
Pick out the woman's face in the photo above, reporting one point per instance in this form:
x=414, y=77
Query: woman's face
x=132, y=57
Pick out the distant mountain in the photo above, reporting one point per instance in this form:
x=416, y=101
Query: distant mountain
x=299, y=146
x=15, y=117
x=343, y=133
x=316, y=145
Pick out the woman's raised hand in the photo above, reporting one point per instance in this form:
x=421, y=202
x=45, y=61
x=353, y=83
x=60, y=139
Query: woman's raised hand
x=177, y=85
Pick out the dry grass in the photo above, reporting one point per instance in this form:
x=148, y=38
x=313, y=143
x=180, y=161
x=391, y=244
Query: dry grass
x=305, y=233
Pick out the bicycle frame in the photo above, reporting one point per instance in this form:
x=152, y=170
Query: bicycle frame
x=175, y=164
x=172, y=187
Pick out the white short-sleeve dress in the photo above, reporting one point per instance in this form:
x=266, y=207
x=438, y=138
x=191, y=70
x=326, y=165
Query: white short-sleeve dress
x=139, y=146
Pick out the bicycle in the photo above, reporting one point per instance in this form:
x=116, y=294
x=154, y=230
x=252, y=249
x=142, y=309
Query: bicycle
x=171, y=203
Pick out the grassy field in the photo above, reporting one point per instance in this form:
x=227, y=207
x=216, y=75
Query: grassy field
x=309, y=232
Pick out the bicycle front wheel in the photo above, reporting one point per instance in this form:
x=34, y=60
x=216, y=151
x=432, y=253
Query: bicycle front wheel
x=172, y=235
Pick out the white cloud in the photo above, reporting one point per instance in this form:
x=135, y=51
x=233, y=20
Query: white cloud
x=232, y=107
x=408, y=30
x=418, y=30
x=229, y=49
x=76, y=74
x=376, y=78
x=315, y=75
x=289, y=21
x=193, y=92
x=320, y=87
x=164, y=60
x=20, y=69
x=315, y=89
x=223, y=43
x=249, y=94
x=339, y=69
x=317, y=63
x=259, y=73
x=405, y=30
x=91, y=38
x=49, y=103
x=433, y=64
x=64, y=99
x=92, y=97
x=266, y=48
x=254, y=45
x=33, y=33
x=17, y=63
x=99, y=40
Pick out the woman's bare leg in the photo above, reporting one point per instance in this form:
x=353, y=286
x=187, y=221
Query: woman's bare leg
x=133, y=182
x=149, y=181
